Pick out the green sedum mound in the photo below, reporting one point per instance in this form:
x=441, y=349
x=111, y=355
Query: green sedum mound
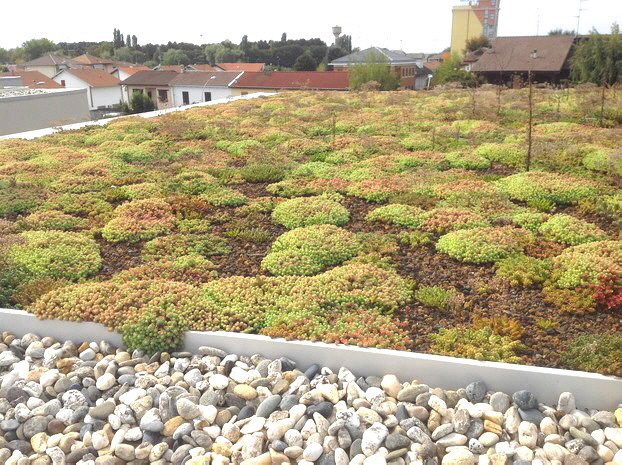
x=523, y=271
x=307, y=211
x=180, y=245
x=52, y=219
x=483, y=245
x=402, y=215
x=55, y=254
x=139, y=220
x=557, y=188
x=570, y=230
x=307, y=251
x=581, y=265
x=443, y=220
x=478, y=344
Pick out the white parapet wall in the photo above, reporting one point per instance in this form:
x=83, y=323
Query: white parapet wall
x=101, y=122
x=34, y=109
x=591, y=390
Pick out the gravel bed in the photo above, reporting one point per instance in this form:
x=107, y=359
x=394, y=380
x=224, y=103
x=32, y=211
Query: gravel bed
x=96, y=404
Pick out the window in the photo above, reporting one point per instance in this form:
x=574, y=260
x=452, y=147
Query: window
x=207, y=97
x=62, y=82
x=149, y=94
x=163, y=95
x=244, y=93
x=138, y=91
x=185, y=96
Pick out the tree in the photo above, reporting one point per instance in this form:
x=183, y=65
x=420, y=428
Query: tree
x=450, y=71
x=305, y=62
x=244, y=46
x=117, y=40
x=5, y=57
x=284, y=37
x=598, y=59
x=175, y=57
x=134, y=41
x=475, y=43
x=561, y=32
x=344, y=42
x=123, y=54
x=334, y=53
x=128, y=41
x=141, y=102
x=224, y=52
x=35, y=48
x=375, y=69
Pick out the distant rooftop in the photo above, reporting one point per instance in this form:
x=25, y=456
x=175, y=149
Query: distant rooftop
x=317, y=80
x=394, y=57
x=33, y=79
x=203, y=79
x=527, y=53
x=50, y=59
x=91, y=60
x=150, y=78
x=93, y=77
x=241, y=66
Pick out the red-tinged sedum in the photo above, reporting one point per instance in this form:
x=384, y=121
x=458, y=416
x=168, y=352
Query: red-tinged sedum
x=140, y=220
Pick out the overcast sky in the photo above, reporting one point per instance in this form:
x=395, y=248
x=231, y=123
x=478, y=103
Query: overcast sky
x=411, y=25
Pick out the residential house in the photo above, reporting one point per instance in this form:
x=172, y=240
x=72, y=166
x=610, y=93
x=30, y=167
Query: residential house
x=274, y=81
x=124, y=72
x=251, y=67
x=401, y=63
x=154, y=84
x=49, y=64
x=104, y=90
x=33, y=79
x=91, y=61
x=509, y=60
x=198, y=86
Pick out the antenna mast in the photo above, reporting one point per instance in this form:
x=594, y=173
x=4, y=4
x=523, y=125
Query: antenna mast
x=579, y=16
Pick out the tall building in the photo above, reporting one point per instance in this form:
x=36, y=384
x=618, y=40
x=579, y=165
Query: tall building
x=477, y=18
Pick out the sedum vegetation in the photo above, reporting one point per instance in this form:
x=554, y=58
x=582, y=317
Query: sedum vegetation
x=359, y=218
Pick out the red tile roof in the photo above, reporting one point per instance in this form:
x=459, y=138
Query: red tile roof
x=432, y=65
x=34, y=79
x=91, y=60
x=176, y=68
x=94, y=77
x=208, y=68
x=133, y=69
x=253, y=67
x=316, y=80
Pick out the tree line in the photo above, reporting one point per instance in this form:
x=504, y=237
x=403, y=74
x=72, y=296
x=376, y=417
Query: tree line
x=299, y=54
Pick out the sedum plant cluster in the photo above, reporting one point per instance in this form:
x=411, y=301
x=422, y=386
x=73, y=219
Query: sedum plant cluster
x=347, y=218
